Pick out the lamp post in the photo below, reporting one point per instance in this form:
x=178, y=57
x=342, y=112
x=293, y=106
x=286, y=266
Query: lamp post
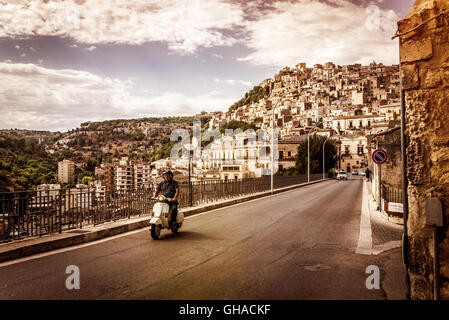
x=272, y=148
x=324, y=160
x=190, y=180
x=191, y=147
x=308, y=150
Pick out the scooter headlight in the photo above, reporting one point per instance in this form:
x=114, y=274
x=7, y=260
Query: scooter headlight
x=161, y=198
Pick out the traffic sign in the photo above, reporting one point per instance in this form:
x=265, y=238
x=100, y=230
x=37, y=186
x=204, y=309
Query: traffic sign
x=379, y=156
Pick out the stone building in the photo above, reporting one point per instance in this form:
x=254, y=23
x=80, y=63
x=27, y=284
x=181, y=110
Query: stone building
x=391, y=172
x=424, y=55
x=287, y=150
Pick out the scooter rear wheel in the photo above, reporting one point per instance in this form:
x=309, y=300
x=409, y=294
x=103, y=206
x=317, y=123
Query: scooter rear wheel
x=155, y=231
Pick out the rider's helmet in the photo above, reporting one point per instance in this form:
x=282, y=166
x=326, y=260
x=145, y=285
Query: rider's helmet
x=168, y=173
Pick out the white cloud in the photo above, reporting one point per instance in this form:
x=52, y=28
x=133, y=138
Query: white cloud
x=23, y=55
x=35, y=97
x=316, y=32
x=234, y=82
x=184, y=24
x=73, y=46
x=91, y=48
x=32, y=49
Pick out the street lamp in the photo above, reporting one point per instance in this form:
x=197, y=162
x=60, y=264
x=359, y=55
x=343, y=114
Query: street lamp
x=272, y=147
x=324, y=161
x=191, y=147
x=308, y=150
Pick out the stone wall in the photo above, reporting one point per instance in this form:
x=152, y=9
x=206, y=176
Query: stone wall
x=389, y=140
x=425, y=66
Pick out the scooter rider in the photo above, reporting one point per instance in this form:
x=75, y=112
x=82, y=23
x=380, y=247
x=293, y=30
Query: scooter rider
x=170, y=189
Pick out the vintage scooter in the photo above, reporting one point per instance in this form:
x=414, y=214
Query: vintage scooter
x=161, y=217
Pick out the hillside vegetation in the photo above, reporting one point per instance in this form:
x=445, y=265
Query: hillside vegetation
x=26, y=163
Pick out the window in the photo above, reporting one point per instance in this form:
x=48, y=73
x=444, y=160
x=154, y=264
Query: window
x=281, y=155
x=360, y=149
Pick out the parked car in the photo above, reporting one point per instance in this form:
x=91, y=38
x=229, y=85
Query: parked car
x=355, y=173
x=342, y=175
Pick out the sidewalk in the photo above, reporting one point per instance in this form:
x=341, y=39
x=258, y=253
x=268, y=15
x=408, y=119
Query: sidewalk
x=386, y=245
x=387, y=231
x=34, y=245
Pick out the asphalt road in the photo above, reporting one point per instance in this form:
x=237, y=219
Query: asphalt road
x=294, y=245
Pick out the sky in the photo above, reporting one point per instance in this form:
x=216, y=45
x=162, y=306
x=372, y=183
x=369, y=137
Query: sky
x=67, y=62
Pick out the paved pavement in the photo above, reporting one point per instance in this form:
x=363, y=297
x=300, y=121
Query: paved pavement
x=295, y=245
x=386, y=233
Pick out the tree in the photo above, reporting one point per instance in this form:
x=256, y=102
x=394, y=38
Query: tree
x=85, y=180
x=316, y=155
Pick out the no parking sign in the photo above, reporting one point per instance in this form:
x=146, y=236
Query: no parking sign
x=379, y=156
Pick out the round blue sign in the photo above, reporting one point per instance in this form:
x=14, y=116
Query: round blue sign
x=380, y=156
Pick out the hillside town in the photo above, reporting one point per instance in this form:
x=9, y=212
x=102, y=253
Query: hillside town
x=346, y=103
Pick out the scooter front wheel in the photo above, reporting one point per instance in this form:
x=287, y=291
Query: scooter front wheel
x=155, y=230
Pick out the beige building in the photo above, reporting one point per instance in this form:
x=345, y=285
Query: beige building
x=66, y=171
x=237, y=157
x=287, y=150
x=142, y=175
x=124, y=178
x=354, y=152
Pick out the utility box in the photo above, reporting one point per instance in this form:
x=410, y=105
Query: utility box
x=434, y=213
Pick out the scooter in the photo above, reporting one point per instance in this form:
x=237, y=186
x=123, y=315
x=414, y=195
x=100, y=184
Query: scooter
x=161, y=217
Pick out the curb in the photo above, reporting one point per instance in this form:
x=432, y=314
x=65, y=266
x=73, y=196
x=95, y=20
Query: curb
x=389, y=218
x=67, y=239
x=365, y=244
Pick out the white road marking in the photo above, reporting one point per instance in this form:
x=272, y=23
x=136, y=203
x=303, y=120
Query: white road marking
x=365, y=244
x=88, y=244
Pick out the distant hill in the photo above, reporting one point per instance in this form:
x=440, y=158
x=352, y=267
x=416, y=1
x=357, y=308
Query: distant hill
x=29, y=158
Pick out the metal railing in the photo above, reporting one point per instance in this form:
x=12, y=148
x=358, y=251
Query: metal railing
x=37, y=213
x=392, y=194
